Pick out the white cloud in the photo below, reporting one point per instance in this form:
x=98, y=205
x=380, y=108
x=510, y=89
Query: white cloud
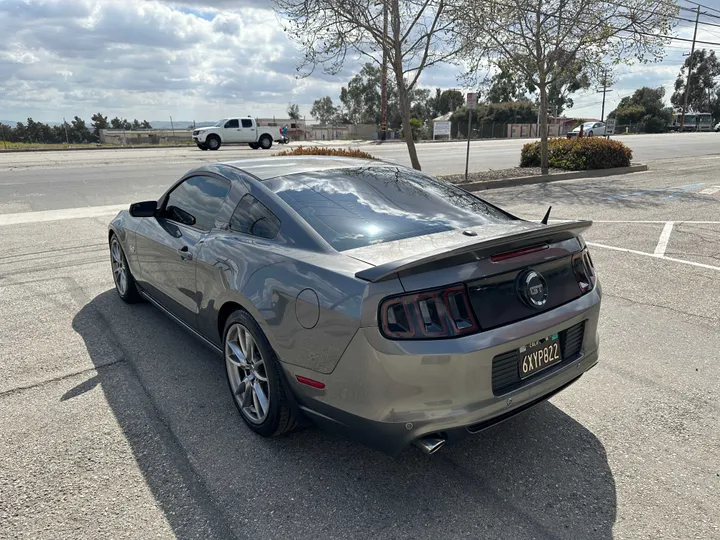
x=189, y=59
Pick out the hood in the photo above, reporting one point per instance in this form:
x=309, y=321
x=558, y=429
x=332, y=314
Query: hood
x=203, y=128
x=386, y=252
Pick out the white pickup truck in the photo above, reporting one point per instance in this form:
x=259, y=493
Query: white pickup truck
x=236, y=130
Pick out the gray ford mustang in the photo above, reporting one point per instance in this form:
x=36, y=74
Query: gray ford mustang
x=373, y=300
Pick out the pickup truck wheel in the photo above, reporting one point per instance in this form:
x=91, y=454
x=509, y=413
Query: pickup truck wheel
x=202, y=146
x=266, y=142
x=254, y=145
x=213, y=142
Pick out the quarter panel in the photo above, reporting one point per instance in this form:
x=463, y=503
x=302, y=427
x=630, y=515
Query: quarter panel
x=273, y=291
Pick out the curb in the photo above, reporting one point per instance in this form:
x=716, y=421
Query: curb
x=71, y=149
x=556, y=177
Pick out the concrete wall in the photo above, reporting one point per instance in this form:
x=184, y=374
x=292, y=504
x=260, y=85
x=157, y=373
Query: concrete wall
x=122, y=137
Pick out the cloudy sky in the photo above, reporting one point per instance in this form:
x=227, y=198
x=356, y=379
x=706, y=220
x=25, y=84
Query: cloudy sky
x=200, y=60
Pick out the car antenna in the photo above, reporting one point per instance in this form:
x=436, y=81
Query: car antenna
x=547, y=215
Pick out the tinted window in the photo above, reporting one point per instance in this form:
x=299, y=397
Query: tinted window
x=199, y=197
x=352, y=208
x=232, y=123
x=246, y=123
x=253, y=217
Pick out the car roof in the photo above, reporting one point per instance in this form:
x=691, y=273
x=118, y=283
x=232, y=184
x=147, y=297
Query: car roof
x=274, y=166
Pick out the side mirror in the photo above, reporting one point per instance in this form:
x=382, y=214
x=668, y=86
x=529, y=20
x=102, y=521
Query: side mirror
x=143, y=209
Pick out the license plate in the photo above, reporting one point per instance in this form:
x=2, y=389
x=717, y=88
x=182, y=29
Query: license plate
x=539, y=355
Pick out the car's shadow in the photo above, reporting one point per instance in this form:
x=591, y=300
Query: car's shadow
x=540, y=475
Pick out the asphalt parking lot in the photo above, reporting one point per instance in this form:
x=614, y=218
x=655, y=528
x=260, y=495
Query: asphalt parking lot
x=116, y=424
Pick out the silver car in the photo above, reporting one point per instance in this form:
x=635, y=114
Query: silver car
x=370, y=299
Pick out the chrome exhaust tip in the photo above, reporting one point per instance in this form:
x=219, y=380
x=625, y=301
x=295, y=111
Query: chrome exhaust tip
x=430, y=444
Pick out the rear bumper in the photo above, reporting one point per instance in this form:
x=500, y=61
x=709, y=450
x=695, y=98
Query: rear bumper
x=388, y=394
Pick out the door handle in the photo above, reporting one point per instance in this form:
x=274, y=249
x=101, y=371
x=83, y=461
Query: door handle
x=185, y=254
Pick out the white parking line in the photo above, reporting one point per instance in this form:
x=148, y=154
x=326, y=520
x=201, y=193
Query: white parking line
x=664, y=239
x=661, y=257
x=710, y=191
x=56, y=215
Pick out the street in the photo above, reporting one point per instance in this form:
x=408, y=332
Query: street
x=115, y=423
x=32, y=181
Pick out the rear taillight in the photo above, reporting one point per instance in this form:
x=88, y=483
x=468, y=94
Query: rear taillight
x=440, y=313
x=584, y=271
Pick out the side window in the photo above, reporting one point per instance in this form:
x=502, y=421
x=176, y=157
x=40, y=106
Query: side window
x=197, y=201
x=246, y=123
x=232, y=123
x=253, y=217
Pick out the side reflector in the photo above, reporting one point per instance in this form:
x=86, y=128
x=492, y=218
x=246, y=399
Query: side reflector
x=309, y=382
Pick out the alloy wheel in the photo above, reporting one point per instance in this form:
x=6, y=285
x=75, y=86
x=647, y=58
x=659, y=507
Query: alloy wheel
x=119, y=267
x=247, y=374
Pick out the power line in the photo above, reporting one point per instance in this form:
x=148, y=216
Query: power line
x=702, y=6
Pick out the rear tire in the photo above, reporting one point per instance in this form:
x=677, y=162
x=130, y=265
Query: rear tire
x=253, y=370
x=213, y=142
x=266, y=142
x=122, y=277
x=254, y=145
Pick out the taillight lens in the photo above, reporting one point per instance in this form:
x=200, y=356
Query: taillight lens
x=584, y=271
x=440, y=313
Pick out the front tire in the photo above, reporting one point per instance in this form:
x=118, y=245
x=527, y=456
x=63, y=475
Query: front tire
x=254, y=145
x=123, y=278
x=254, y=378
x=213, y=142
x=202, y=146
x=266, y=142
x=590, y=134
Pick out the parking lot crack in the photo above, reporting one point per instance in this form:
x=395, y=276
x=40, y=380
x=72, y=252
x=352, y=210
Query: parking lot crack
x=660, y=306
x=45, y=382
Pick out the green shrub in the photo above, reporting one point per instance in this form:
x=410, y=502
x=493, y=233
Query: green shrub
x=578, y=154
x=325, y=151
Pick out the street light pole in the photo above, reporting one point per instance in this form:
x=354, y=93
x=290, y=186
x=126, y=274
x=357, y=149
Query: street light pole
x=690, y=67
x=383, y=79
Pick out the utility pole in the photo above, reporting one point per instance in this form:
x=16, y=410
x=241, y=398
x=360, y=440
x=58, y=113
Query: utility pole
x=690, y=67
x=67, y=140
x=604, y=90
x=383, y=78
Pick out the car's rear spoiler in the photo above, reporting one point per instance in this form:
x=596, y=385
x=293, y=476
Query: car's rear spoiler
x=549, y=233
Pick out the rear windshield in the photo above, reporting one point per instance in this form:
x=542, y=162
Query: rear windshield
x=352, y=208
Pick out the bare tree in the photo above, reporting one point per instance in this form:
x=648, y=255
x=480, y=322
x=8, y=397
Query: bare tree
x=419, y=34
x=548, y=41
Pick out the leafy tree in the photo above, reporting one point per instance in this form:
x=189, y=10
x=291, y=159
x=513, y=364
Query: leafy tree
x=548, y=41
x=116, y=123
x=99, y=122
x=646, y=105
x=447, y=101
x=293, y=111
x=146, y=125
x=135, y=125
x=324, y=110
x=412, y=34
x=702, y=94
x=79, y=131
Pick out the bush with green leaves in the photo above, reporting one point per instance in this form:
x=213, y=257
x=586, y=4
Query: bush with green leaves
x=325, y=151
x=579, y=154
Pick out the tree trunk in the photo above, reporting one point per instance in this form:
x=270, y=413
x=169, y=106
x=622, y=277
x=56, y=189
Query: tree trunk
x=402, y=85
x=544, y=168
x=407, y=129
